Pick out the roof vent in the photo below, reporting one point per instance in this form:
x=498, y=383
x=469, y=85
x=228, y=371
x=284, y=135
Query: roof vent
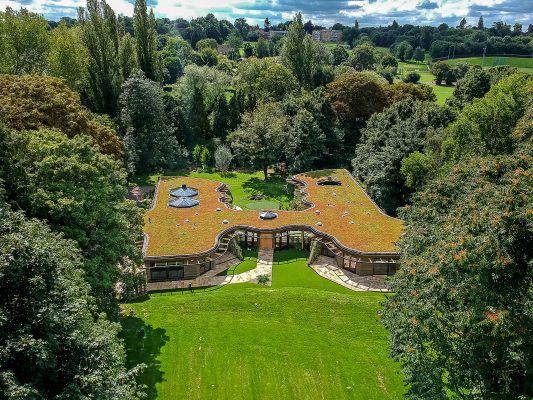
x=268, y=215
x=329, y=181
x=184, y=191
x=183, y=202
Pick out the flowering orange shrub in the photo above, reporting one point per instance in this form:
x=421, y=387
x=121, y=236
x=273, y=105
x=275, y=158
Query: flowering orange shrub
x=345, y=212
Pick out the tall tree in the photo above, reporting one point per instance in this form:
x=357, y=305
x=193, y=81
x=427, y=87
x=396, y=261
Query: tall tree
x=389, y=137
x=297, y=52
x=260, y=139
x=149, y=142
x=127, y=56
x=68, y=57
x=24, y=42
x=145, y=39
x=480, y=23
x=53, y=343
x=460, y=319
x=100, y=36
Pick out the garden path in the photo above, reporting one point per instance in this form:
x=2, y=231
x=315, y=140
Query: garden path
x=264, y=267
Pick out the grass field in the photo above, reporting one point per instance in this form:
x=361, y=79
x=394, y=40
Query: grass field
x=523, y=63
x=277, y=194
x=249, y=262
x=303, y=338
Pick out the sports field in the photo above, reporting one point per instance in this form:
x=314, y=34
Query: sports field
x=523, y=63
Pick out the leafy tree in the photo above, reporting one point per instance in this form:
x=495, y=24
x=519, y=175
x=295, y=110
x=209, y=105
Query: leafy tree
x=262, y=50
x=363, y=57
x=441, y=70
x=68, y=57
x=241, y=26
x=418, y=54
x=248, y=50
x=264, y=79
x=340, y=55
x=32, y=102
x=388, y=61
x=356, y=95
x=411, y=77
x=480, y=24
x=223, y=158
x=499, y=72
x=80, y=192
x=99, y=34
x=235, y=40
x=205, y=158
x=53, y=343
x=149, y=142
x=206, y=44
x=25, y=42
x=261, y=137
x=208, y=57
x=460, y=318
x=474, y=84
x=297, y=52
x=220, y=117
x=127, y=56
x=484, y=127
x=145, y=39
x=462, y=24
x=403, y=51
x=416, y=168
x=389, y=137
x=305, y=142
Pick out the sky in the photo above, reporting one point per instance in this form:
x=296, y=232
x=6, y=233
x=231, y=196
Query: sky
x=321, y=12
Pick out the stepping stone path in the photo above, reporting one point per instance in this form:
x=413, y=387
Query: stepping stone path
x=327, y=268
x=264, y=267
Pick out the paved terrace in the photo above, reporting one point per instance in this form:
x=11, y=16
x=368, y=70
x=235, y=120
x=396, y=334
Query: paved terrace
x=345, y=213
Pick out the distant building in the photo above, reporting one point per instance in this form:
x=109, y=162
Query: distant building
x=271, y=34
x=328, y=36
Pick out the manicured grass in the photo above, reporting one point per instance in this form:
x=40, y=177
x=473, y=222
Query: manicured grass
x=254, y=342
x=277, y=194
x=290, y=269
x=422, y=68
x=523, y=63
x=442, y=92
x=248, y=263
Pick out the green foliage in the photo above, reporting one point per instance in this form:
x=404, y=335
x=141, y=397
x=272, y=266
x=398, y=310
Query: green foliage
x=356, y=95
x=24, y=42
x=388, y=61
x=99, y=33
x=127, y=55
x=223, y=158
x=485, y=125
x=68, y=57
x=461, y=320
x=340, y=55
x=416, y=169
x=205, y=158
x=263, y=279
x=403, y=51
x=248, y=50
x=411, y=77
x=206, y=44
x=235, y=40
x=260, y=139
x=442, y=71
x=418, y=54
x=53, y=343
x=235, y=249
x=389, y=137
x=262, y=48
x=149, y=142
x=31, y=102
x=264, y=79
x=80, y=192
x=145, y=39
x=475, y=83
x=363, y=57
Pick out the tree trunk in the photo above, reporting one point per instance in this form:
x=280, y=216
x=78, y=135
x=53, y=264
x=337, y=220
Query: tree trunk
x=265, y=171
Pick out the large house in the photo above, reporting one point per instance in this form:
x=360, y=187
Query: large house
x=328, y=36
x=192, y=223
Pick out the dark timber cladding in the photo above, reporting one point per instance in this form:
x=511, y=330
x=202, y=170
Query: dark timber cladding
x=185, y=242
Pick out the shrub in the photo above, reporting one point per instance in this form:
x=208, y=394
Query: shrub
x=411, y=77
x=223, y=158
x=263, y=279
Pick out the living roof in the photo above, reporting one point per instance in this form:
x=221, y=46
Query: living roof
x=345, y=212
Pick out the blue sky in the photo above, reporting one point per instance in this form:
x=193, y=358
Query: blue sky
x=324, y=12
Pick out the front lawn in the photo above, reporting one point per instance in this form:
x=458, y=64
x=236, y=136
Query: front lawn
x=248, y=263
x=299, y=339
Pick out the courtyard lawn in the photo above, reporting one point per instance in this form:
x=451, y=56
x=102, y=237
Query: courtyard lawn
x=303, y=338
x=249, y=262
x=276, y=192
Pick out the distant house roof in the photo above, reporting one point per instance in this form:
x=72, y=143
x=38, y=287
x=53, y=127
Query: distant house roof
x=184, y=191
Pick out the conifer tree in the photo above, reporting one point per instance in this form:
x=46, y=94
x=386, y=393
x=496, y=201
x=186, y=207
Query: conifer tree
x=146, y=39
